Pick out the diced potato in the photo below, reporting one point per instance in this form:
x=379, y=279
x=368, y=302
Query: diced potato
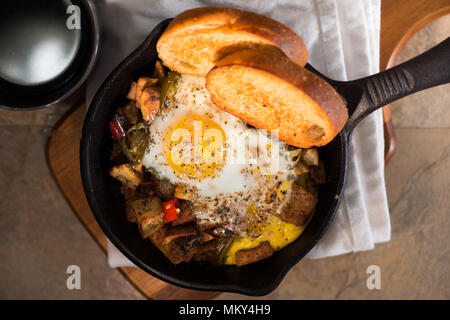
x=132, y=93
x=299, y=207
x=142, y=84
x=147, y=226
x=149, y=103
x=310, y=157
x=129, y=211
x=149, y=215
x=145, y=82
x=301, y=168
x=130, y=195
x=148, y=206
x=126, y=174
x=184, y=192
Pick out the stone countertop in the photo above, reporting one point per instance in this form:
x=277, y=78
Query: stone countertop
x=40, y=236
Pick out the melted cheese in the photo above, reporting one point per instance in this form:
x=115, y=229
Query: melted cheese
x=274, y=230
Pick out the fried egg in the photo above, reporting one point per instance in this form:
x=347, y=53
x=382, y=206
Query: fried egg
x=230, y=166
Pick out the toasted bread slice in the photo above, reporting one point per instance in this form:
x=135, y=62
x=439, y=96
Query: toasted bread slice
x=267, y=90
x=196, y=39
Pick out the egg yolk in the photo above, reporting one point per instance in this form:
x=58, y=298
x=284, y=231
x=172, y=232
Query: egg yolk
x=195, y=146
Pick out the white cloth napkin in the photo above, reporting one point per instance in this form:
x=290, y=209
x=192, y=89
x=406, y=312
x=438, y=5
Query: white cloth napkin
x=342, y=37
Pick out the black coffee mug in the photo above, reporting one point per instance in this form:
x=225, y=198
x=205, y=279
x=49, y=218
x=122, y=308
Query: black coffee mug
x=49, y=47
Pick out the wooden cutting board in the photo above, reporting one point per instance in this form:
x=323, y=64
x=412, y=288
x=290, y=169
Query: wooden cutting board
x=63, y=158
x=400, y=19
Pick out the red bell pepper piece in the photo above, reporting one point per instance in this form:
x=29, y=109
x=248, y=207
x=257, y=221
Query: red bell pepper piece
x=171, y=210
x=116, y=128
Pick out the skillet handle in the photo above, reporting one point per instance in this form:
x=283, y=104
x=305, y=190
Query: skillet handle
x=430, y=69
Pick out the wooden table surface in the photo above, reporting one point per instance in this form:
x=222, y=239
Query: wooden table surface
x=400, y=19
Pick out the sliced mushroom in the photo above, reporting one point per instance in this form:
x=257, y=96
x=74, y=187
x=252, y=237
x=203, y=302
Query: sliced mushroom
x=310, y=157
x=172, y=250
x=186, y=216
x=301, y=168
x=179, y=232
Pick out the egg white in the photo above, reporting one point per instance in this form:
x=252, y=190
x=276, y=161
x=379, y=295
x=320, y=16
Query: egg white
x=192, y=97
x=242, y=179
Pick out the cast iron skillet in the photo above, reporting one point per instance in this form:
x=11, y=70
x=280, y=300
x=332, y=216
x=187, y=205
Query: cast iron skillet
x=363, y=96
